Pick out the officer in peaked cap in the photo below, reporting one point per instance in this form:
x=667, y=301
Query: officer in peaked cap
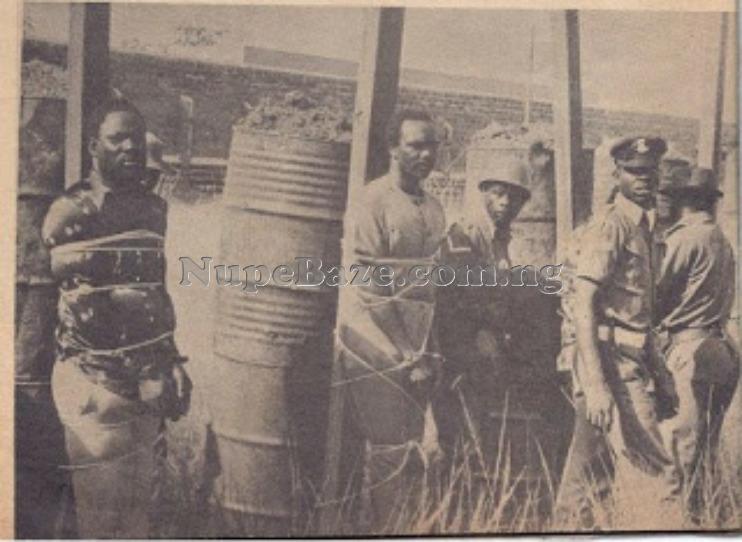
x=613, y=371
x=639, y=158
x=637, y=152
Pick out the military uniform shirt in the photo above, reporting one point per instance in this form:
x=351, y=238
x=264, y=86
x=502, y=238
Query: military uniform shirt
x=465, y=307
x=618, y=256
x=695, y=286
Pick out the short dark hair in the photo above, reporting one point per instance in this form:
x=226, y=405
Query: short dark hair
x=395, y=123
x=113, y=104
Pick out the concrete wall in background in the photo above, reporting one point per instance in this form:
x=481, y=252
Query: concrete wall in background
x=219, y=91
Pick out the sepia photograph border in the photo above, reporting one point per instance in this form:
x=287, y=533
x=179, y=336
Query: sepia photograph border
x=11, y=26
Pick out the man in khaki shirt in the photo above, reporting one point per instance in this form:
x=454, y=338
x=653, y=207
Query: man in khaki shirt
x=695, y=292
x=616, y=435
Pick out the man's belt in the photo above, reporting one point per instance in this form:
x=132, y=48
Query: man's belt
x=680, y=334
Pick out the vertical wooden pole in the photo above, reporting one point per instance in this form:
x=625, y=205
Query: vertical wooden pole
x=527, y=114
x=88, y=79
x=185, y=137
x=709, y=141
x=377, y=86
x=567, y=110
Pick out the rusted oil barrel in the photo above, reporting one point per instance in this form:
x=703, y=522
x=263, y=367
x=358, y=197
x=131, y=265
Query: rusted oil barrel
x=287, y=176
x=39, y=436
x=283, y=199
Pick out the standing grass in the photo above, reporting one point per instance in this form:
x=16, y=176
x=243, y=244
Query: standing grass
x=465, y=500
x=474, y=496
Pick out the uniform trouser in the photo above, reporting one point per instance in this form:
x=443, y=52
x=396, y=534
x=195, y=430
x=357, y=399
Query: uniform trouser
x=112, y=444
x=692, y=435
x=628, y=457
x=389, y=410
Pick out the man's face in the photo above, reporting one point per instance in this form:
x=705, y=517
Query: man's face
x=666, y=208
x=501, y=202
x=417, y=149
x=638, y=183
x=119, y=151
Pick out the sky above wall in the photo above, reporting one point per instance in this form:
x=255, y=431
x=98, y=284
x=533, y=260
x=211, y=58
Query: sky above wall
x=642, y=61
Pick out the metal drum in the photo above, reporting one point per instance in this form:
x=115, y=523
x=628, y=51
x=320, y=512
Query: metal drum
x=284, y=199
x=271, y=322
x=287, y=176
x=257, y=238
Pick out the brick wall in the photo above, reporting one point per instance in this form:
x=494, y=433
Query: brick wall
x=155, y=83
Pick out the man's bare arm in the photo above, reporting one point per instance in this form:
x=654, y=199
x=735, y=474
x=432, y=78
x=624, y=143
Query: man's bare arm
x=597, y=394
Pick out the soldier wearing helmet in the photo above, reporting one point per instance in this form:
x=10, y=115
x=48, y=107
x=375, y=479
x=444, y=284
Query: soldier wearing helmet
x=470, y=318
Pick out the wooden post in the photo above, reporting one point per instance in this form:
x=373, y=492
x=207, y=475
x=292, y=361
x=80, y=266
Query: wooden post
x=527, y=113
x=376, y=97
x=709, y=141
x=88, y=80
x=185, y=137
x=567, y=109
x=376, y=93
